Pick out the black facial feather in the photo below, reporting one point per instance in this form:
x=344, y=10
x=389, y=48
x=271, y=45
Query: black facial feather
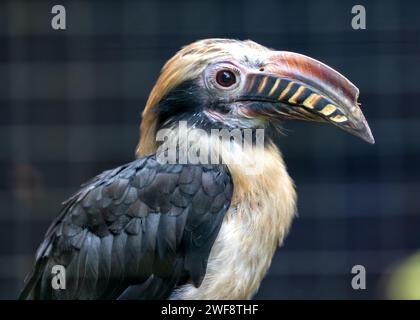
x=186, y=102
x=181, y=104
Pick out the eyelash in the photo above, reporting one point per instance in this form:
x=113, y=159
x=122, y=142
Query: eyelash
x=236, y=71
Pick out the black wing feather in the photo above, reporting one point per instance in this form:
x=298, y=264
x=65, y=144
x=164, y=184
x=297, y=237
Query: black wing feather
x=134, y=232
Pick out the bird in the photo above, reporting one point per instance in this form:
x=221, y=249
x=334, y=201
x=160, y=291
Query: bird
x=178, y=230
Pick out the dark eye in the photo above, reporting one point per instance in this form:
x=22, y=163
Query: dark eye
x=225, y=78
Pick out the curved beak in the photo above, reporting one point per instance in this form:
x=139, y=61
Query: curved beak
x=299, y=87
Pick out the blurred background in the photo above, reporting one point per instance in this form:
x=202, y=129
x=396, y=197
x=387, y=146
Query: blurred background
x=71, y=101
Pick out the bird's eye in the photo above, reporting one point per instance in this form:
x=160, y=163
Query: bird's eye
x=225, y=78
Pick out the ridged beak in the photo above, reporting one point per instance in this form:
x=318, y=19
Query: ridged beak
x=299, y=87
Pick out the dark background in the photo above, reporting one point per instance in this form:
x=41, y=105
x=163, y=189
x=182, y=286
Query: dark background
x=70, y=105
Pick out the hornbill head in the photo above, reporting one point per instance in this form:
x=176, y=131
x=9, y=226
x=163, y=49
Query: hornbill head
x=223, y=83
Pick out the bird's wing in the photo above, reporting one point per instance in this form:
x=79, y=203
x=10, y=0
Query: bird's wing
x=134, y=232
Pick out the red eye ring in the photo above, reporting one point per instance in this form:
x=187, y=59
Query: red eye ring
x=225, y=78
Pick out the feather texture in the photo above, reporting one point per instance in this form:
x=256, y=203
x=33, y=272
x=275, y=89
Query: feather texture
x=134, y=232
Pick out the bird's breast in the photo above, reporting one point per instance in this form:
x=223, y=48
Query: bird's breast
x=260, y=215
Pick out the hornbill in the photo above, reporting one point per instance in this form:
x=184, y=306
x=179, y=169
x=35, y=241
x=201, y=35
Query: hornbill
x=149, y=229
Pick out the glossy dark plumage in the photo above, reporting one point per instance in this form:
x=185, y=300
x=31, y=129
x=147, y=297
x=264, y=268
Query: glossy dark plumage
x=134, y=232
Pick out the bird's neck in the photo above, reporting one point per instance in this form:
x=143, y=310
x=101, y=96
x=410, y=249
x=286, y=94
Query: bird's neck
x=269, y=195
